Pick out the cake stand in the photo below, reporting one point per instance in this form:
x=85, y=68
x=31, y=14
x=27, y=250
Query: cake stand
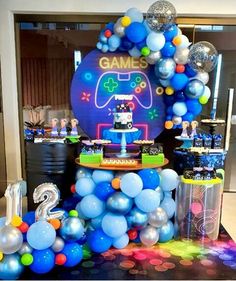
x=123, y=152
x=187, y=142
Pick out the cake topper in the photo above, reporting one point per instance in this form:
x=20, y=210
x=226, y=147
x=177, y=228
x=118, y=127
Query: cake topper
x=74, y=131
x=194, y=125
x=54, y=132
x=63, y=131
x=185, y=125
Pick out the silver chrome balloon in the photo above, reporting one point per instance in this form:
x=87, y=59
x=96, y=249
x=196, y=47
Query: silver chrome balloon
x=58, y=245
x=119, y=30
x=137, y=219
x=49, y=195
x=165, y=68
x=71, y=229
x=149, y=236
x=158, y=217
x=194, y=89
x=177, y=120
x=11, y=267
x=25, y=249
x=203, y=56
x=11, y=239
x=119, y=203
x=153, y=57
x=181, y=56
x=161, y=15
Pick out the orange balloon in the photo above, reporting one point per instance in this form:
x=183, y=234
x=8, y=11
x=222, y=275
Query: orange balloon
x=177, y=40
x=116, y=183
x=55, y=223
x=180, y=68
x=168, y=125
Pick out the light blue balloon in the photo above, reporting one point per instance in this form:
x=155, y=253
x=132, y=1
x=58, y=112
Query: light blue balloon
x=166, y=232
x=155, y=41
x=114, y=41
x=105, y=48
x=169, y=205
x=71, y=229
x=121, y=242
x=147, y=200
x=80, y=213
x=83, y=173
x=2, y=221
x=102, y=175
x=131, y=184
x=169, y=179
x=146, y=25
x=114, y=225
x=119, y=203
x=134, y=14
x=134, y=52
x=91, y=206
x=85, y=186
x=11, y=267
x=99, y=45
x=41, y=235
x=97, y=222
x=160, y=191
x=167, y=194
x=164, y=83
x=103, y=38
x=179, y=108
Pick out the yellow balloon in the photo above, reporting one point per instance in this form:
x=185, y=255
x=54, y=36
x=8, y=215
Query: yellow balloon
x=203, y=100
x=125, y=21
x=16, y=221
x=169, y=91
x=1, y=256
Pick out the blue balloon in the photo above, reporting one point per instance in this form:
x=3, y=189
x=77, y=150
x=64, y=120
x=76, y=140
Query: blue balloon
x=84, y=186
x=135, y=15
x=110, y=26
x=134, y=52
x=97, y=222
x=41, y=235
x=71, y=229
x=98, y=241
x=131, y=184
x=171, y=32
x=82, y=240
x=194, y=106
x=43, y=262
x=180, y=108
x=188, y=116
x=179, y=96
x=169, y=100
x=91, y=206
x=2, y=221
x=194, y=89
x=137, y=219
x=136, y=32
x=29, y=218
x=125, y=44
x=166, y=232
x=169, y=205
x=147, y=200
x=114, y=225
x=103, y=190
x=168, y=50
x=114, y=41
x=119, y=203
x=70, y=203
x=169, y=110
x=179, y=81
x=121, y=242
x=141, y=44
x=11, y=267
x=189, y=71
x=73, y=253
x=150, y=178
x=169, y=117
x=102, y=175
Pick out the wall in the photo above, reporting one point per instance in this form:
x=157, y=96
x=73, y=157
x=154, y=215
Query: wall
x=7, y=48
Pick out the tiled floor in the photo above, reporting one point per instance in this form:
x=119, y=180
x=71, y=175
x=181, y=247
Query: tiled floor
x=228, y=214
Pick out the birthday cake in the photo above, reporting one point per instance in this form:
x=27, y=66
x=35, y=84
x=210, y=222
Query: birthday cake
x=123, y=117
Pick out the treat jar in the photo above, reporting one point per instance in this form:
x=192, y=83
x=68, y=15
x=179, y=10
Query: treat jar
x=198, y=208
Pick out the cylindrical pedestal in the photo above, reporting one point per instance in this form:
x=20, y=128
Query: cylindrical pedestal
x=198, y=208
x=50, y=162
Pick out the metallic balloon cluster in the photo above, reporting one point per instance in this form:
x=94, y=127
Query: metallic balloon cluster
x=181, y=71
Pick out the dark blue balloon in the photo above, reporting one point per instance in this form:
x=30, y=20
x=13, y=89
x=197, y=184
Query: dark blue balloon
x=194, y=106
x=188, y=117
x=169, y=117
x=71, y=202
x=171, y=33
x=73, y=253
x=136, y=32
x=141, y=44
x=126, y=44
x=43, y=261
x=103, y=190
x=179, y=96
x=150, y=178
x=29, y=218
x=169, y=100
x=110, y=26
x=179, y=81
x=169, y=110
x=82, y=240
x=189, y=71
x=168, y=50
x=98, y=241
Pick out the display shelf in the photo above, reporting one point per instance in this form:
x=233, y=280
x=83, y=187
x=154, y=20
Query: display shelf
x=140, y=166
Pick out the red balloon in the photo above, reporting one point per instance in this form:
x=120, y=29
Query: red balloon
x=180, y=68
x=60, y=259
x=72, y=188
x=107, y=33
x=23, y=227
x=133, y=234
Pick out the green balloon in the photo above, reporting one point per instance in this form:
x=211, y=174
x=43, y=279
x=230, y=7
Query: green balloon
x=145, y=51
x=73, y=213
x=26, y=259
x=203, y=100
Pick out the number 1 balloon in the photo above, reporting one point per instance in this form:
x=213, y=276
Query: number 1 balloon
x=52, y=195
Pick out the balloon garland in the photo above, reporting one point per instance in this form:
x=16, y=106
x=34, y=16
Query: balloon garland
x=181, y=69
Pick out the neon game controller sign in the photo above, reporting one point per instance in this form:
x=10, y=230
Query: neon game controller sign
x=104, y=80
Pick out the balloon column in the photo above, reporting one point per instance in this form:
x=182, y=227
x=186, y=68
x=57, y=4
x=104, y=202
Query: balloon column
x=181, y=71
x=132, y=206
